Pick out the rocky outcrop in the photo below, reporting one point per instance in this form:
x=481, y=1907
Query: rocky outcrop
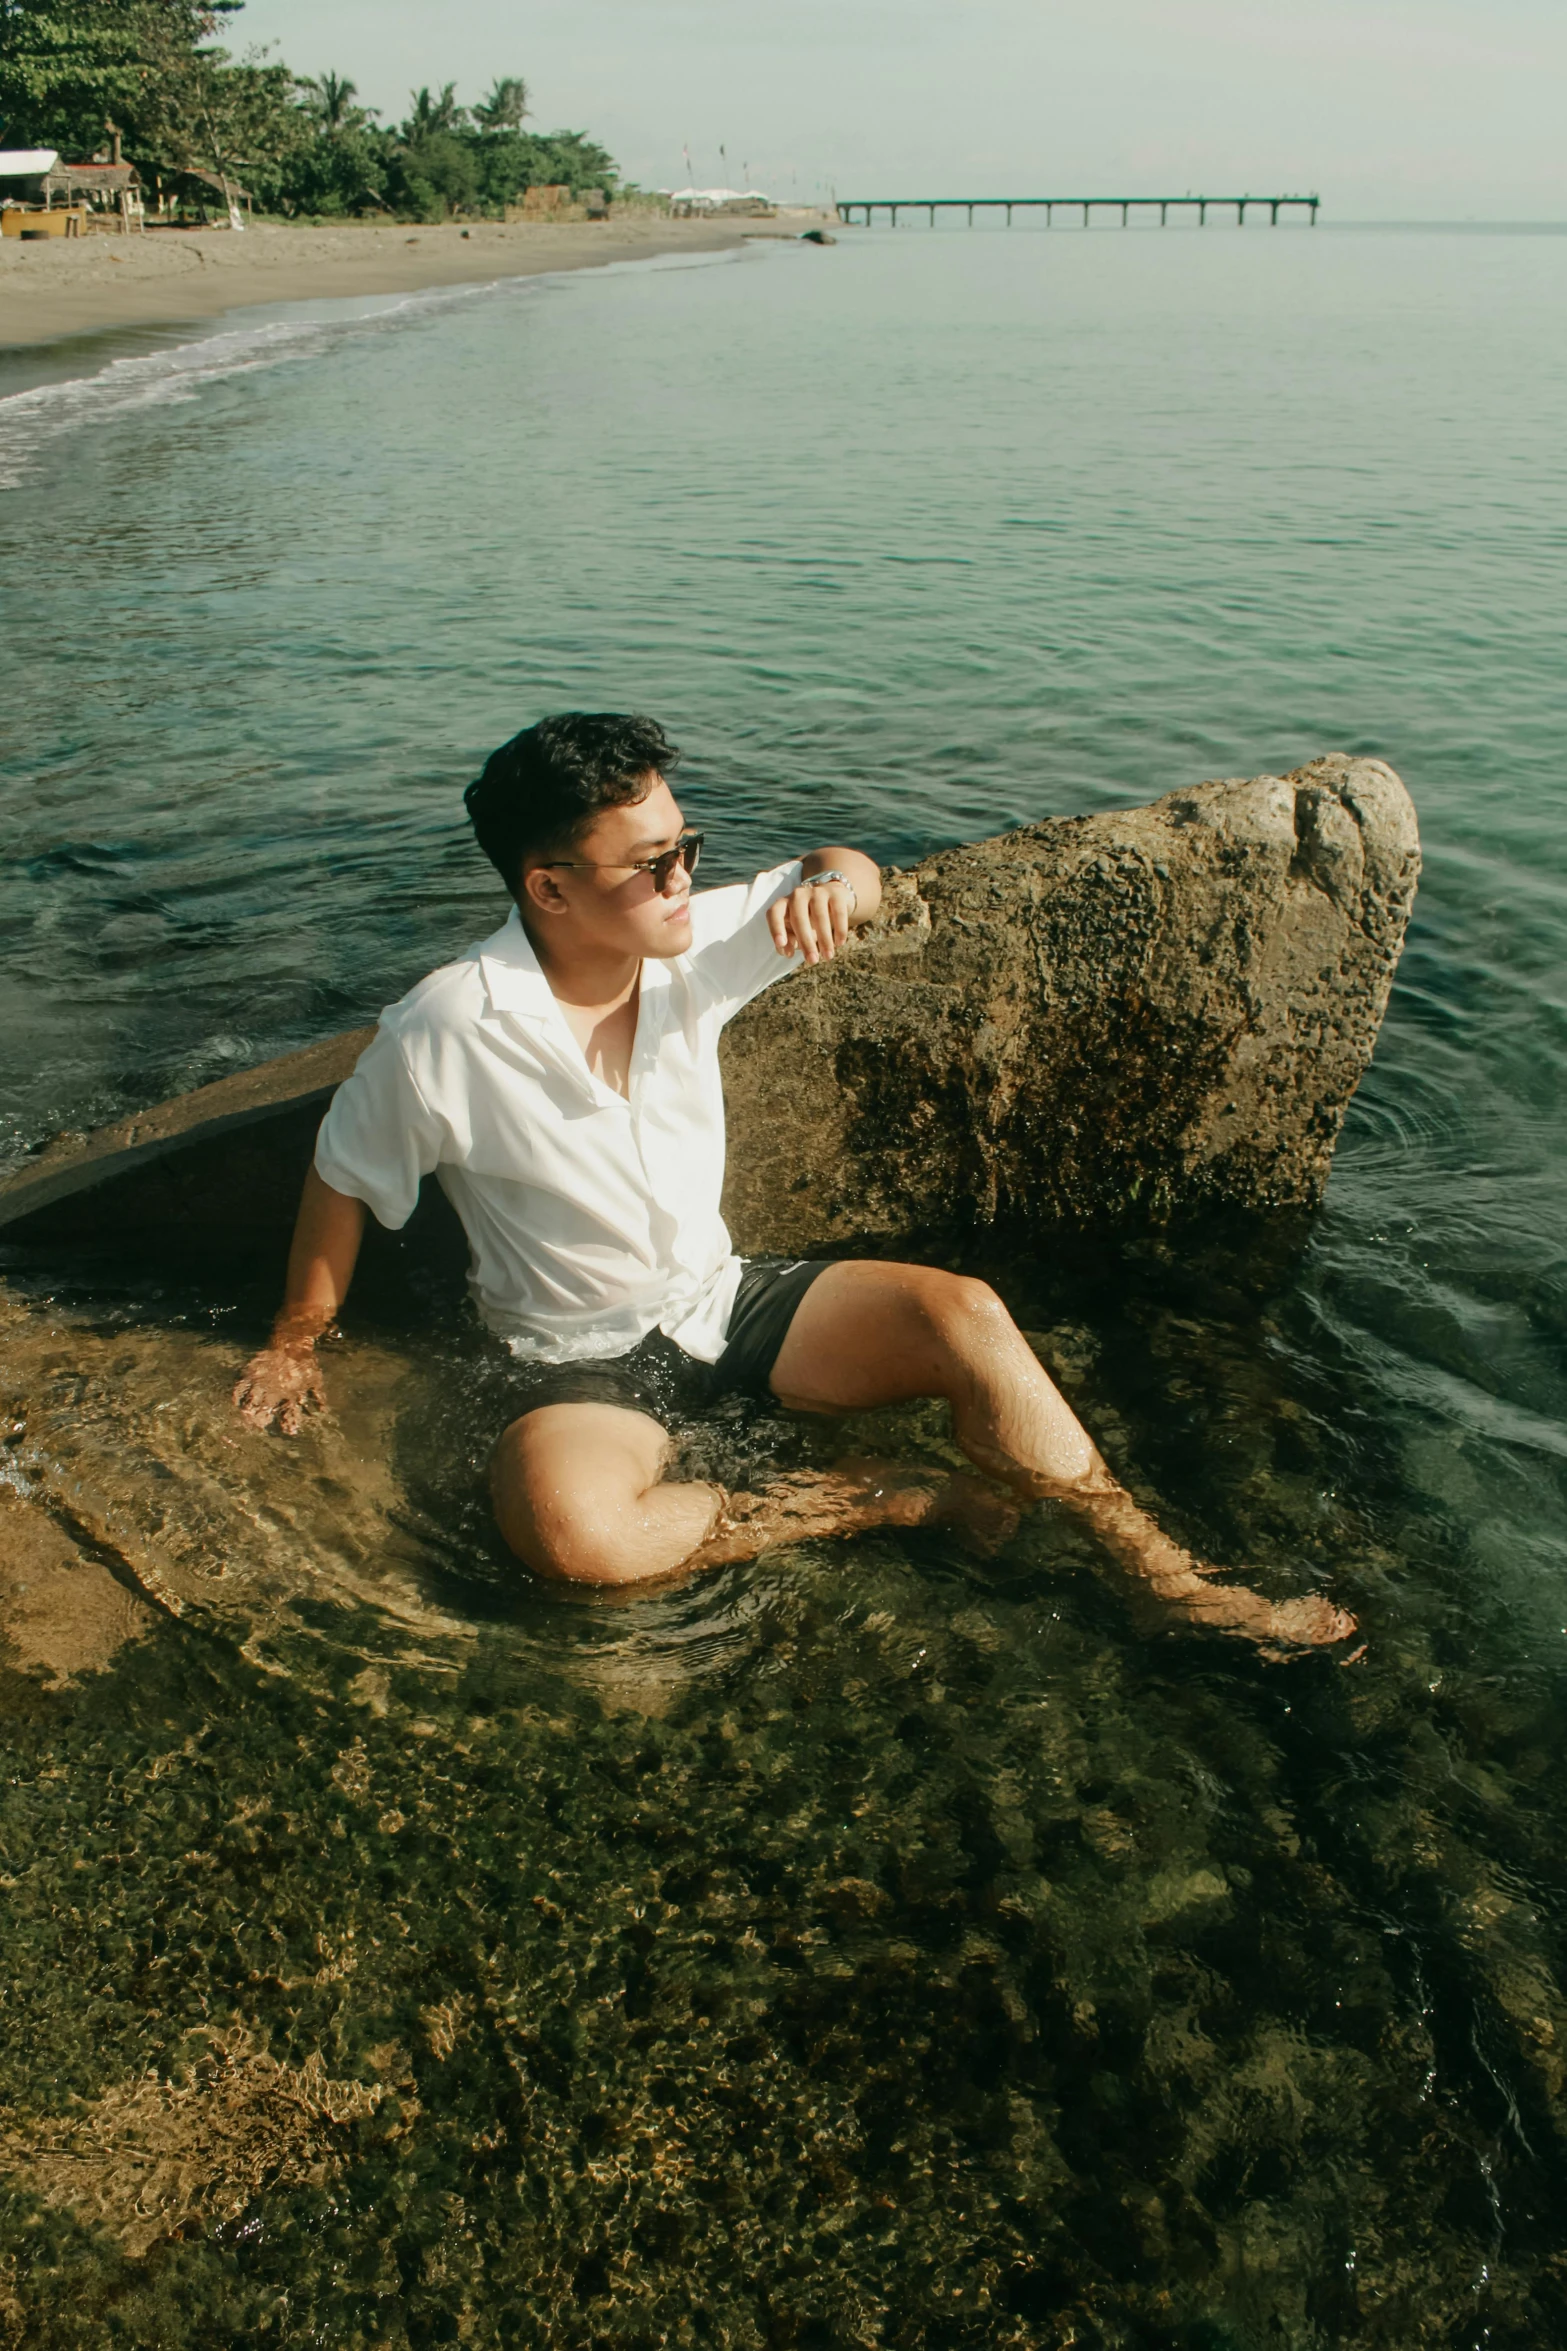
x=1133, y=1017
x=1124, y=1018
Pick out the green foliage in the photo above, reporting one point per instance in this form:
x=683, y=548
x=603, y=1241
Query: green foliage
x=341, y=167
x=433, y=117
x=330, y=99
x=505, y=107
x=70, y=67
x=513, y=160
x=434, y=176
x=72, y=71
x=243, y=120
x=446, y=160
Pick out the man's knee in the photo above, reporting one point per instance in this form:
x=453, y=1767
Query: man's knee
x=571, y=1553
x=559, y=1536
x=964, y=1313
x=563, y=1492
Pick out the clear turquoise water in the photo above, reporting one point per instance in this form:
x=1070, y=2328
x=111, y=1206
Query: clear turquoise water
x=948, y=1959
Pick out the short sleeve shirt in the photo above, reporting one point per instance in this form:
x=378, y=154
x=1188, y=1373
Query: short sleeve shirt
x=592, y=1217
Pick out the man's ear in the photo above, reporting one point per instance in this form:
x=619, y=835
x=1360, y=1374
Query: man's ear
x=540, y=891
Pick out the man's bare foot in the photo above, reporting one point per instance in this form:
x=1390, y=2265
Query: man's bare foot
x=906, y=1494
x=852, y=1498
x=1280, y=1628
x=981, y=1517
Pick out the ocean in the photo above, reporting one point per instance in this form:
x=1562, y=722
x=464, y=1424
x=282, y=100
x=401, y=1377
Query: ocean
x=942, y=1955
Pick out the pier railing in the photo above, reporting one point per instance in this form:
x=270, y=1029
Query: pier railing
x=862, y=207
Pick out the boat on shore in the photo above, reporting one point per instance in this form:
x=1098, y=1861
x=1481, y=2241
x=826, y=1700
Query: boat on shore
x=221, y=1164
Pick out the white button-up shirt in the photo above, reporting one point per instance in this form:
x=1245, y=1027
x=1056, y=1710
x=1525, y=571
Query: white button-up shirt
x=592, y=1218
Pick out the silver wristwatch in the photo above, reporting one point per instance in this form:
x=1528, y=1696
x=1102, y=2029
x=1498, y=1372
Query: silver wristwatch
x=834, y=875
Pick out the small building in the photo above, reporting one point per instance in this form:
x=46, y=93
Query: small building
x=721, y=204
x=23, y=171
x=103, y=186
x=547, y=201
x=41, y=196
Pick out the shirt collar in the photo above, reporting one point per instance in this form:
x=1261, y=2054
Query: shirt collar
x=515, y=984
x=513, y=976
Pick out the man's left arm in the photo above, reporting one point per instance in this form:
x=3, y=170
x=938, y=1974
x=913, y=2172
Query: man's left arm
x=839, y=890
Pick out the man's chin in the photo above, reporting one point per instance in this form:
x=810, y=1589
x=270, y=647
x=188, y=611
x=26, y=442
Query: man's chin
x=672, y=938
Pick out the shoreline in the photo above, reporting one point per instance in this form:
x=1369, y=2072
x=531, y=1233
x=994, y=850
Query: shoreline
x=50, y=292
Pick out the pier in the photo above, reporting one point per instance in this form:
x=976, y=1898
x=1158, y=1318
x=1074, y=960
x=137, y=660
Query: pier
x=864, y=206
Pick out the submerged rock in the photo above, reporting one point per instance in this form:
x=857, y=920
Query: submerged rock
x=1140, y=1016
x=151, y=2157
x=129, y=1489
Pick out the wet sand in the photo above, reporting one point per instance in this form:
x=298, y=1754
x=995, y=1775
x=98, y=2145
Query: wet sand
x=82, y=286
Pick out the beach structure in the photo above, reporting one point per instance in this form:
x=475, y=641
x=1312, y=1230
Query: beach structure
x=24, y=167
x=552, y=200
x=849, y=207
x=721, y=203
x=190, y=187
x=23, y=171
x=547, y=201
x=43, y=197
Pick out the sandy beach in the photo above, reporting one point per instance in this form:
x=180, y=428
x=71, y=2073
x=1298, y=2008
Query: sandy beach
x=74, y=287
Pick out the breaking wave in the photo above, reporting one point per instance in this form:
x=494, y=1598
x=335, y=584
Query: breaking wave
x=278, y=336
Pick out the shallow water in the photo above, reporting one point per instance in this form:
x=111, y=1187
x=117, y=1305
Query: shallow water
x=864, y=1946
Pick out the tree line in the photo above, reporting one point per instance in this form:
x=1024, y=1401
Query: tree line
x=76, y=73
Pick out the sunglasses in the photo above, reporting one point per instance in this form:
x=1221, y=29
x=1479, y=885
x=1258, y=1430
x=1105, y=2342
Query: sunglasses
x=685, y=852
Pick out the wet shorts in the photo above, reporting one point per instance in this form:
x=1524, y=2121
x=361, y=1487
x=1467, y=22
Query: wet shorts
x=661, y=1379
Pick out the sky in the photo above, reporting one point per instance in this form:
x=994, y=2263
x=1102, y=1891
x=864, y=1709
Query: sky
x=1390, y=109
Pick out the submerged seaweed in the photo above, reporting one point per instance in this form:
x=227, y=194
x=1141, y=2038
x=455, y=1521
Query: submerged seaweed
x=863, y=1946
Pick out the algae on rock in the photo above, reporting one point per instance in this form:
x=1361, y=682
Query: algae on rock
x=1132, y=1017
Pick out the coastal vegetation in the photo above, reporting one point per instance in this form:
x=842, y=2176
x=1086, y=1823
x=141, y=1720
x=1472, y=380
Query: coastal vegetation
x=154, y=76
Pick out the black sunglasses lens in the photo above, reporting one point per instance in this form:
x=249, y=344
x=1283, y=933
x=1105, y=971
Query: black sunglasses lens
x=684, y=853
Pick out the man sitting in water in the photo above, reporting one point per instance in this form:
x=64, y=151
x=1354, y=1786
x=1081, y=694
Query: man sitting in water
x=562, y=1081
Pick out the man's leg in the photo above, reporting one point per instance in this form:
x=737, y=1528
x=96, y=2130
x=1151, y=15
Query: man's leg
x=580, y=1493
x=866, y=1334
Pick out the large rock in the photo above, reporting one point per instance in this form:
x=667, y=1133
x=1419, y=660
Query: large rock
x=1133, y=1017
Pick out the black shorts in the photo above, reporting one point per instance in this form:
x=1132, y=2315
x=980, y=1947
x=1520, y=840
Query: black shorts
x=661, y=1379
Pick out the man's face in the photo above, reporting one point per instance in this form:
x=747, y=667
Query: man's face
x=616, y=908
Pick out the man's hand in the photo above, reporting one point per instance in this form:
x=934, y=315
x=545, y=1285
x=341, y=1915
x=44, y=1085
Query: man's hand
x=280, y=1385
x=812, y=922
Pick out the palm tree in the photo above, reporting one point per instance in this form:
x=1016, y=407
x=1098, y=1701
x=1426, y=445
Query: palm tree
x=503, y=109
x=431, y=116
x=333, y=100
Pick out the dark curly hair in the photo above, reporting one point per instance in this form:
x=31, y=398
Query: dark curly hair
x=543, y=788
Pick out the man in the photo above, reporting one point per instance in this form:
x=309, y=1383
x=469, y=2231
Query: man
x=562, y=1082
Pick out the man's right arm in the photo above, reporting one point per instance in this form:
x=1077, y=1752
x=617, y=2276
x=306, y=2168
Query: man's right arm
x=283, y=1382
